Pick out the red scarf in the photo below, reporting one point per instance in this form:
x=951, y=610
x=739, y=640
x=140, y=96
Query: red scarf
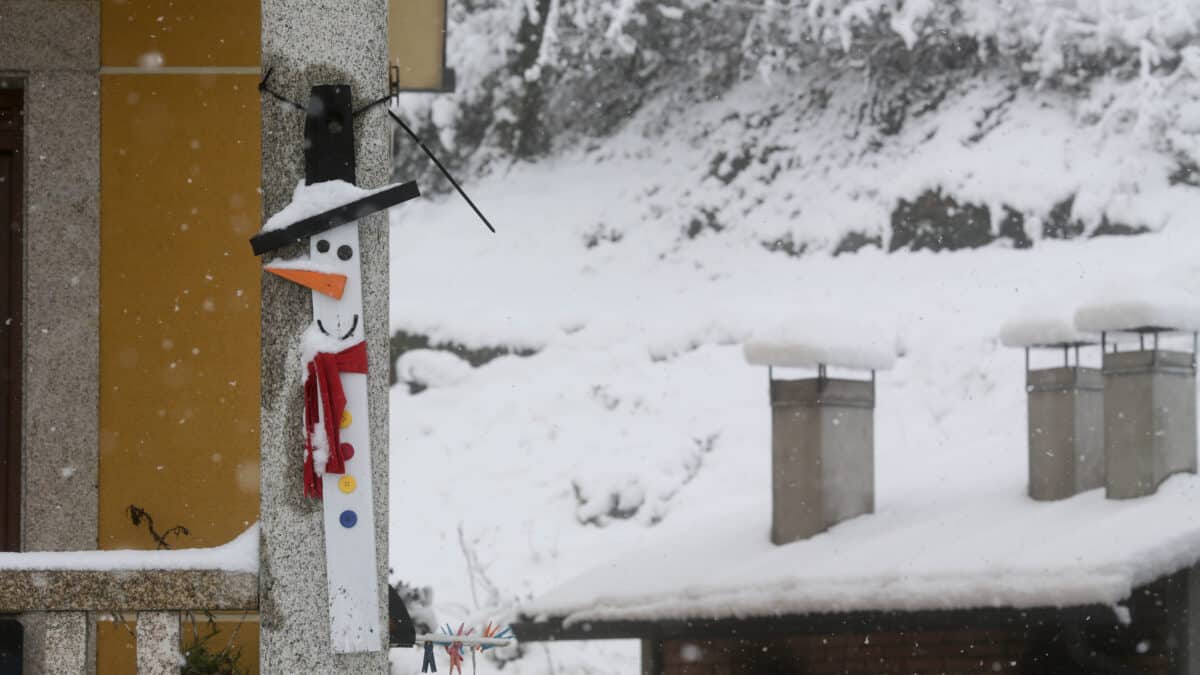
x=325, y=400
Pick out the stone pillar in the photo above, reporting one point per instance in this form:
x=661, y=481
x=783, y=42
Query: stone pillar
x=1066, y=431
x=1149, y=419
x=158, y=648
x=60, y=644
x=52, y=51
x=823, y=454
x=310, y=42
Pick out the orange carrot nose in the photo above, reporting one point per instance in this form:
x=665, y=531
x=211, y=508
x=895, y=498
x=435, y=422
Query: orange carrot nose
x=328, y=283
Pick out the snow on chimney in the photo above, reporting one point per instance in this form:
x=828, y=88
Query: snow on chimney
x=1149, y=391
x=822, y=428
x=1065, y=404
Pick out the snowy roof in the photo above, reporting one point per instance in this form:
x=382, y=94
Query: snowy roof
x=1002, y=551
x=1144, y=308
x=823, y=341
x=1044, y=327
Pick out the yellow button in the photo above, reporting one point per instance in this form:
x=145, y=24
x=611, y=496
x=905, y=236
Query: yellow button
x=347, y=484
x=347, y=418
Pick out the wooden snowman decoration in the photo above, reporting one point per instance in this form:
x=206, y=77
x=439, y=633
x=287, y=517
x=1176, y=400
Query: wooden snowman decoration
x=337, y=448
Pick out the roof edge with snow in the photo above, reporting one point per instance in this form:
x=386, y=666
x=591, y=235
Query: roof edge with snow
x=546, y=629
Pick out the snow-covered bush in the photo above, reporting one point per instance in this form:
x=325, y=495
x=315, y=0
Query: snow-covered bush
x=536, y=73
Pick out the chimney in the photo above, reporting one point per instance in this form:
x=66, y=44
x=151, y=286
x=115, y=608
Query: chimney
x=822, y=428
x=1065, y=406
x=1149, y=391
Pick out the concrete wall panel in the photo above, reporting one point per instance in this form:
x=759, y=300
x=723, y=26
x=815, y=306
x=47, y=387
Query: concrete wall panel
x=61, y=314
x=49, y=35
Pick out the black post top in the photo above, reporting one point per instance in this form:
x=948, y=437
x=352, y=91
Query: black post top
x=329, y=135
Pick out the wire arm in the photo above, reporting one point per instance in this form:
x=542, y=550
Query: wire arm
x=445, y=173
x=262, y=87
x=372, y=104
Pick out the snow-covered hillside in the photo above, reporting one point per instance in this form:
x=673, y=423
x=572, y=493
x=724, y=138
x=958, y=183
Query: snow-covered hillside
x=629, y=272
x=599, y=393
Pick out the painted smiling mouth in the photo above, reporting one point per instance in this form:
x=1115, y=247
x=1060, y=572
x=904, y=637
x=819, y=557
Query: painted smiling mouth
x=353, y=325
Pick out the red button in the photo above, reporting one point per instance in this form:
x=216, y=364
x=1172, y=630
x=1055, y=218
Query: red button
x=347, y=451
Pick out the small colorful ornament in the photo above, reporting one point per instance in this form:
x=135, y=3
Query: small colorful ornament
x=455, y=649
x=429, y=665
x=456, y=641
x=494, y=632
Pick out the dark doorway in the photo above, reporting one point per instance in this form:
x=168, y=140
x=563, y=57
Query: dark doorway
x=11, y=642
x=11, y=214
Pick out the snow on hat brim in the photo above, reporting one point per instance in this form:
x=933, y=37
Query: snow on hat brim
x=271, y=240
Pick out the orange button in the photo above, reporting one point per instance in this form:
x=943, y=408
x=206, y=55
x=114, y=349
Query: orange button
x=347, y=418
x=347, y=484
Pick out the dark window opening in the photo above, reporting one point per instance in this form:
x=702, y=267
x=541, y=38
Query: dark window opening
x=11, y=642
x=11, y=286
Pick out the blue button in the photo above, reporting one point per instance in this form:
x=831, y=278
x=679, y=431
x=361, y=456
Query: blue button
x=348, y=518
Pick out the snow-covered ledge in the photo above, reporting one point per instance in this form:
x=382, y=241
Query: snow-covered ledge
x=64, y=586
x=222, y=577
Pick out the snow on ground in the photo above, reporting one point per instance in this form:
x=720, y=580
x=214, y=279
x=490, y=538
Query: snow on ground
x=638, y=415
x=768, y=163
x=431, y=368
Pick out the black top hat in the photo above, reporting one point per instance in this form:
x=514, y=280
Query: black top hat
x=329, y=155
x=346, y=213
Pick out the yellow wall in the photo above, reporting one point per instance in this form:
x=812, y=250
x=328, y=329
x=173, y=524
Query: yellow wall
x=182, y=32
x=118, y=647
x=179, y=288
x=415, y=35
x=179, y=306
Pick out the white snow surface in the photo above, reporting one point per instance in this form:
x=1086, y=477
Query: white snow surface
x=637, y=432
x=238, y=555
x=1146, y=307
x=313, y=342
x=1045, y=326
x=431, y=368
x=823, y=340
x=1001, y=550
x=311, y=200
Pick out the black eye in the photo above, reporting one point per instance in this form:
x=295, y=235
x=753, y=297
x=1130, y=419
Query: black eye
x=345, y=252
x=323, y=246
